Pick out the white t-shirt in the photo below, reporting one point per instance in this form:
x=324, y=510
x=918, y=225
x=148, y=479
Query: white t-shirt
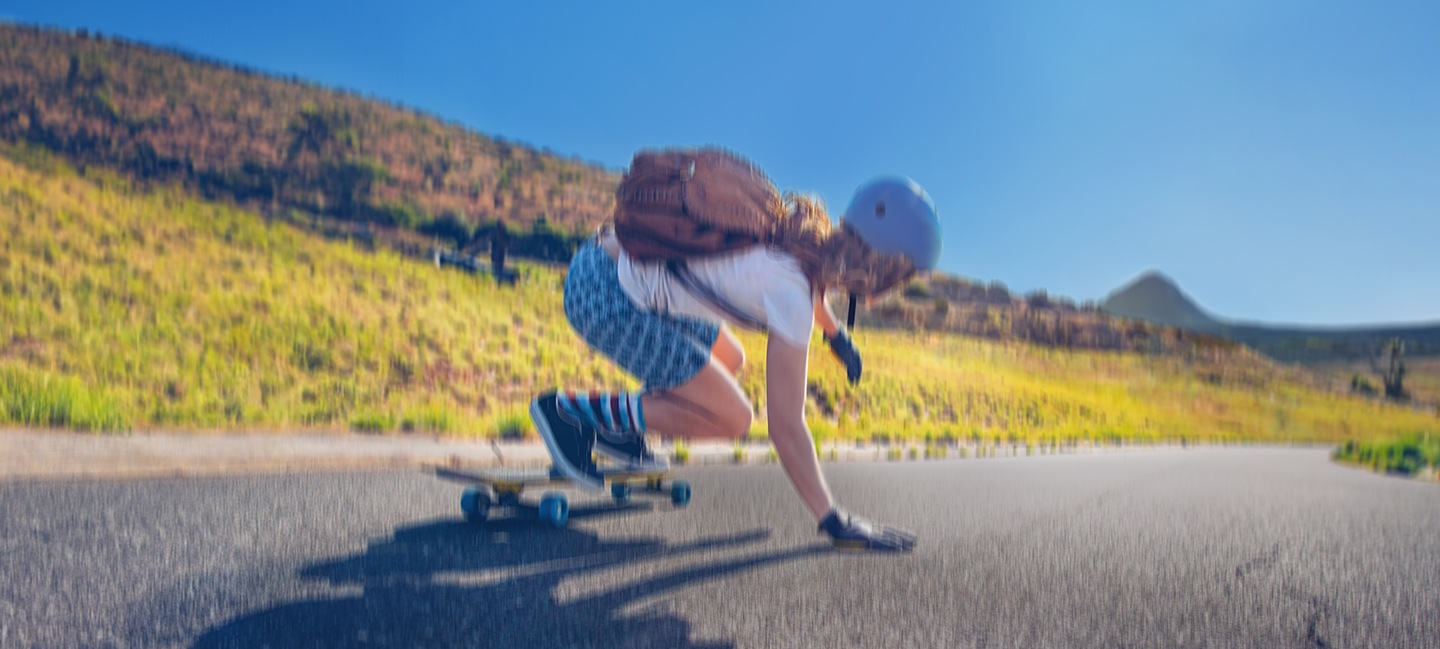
x=765, y=284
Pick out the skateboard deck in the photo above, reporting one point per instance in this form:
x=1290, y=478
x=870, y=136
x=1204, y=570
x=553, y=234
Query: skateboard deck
x=500, y=487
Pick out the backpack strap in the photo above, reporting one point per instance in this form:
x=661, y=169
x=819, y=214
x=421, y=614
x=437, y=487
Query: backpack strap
x=682, y=273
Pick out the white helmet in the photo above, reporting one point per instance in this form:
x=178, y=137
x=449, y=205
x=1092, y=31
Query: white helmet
x=894, y=215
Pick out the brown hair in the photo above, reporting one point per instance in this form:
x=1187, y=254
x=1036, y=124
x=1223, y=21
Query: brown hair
x=834, y=257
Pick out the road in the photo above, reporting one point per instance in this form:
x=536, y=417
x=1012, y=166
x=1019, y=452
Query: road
x=1175, y=548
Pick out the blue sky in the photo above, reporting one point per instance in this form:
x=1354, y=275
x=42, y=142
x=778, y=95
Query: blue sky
x=1279, y=159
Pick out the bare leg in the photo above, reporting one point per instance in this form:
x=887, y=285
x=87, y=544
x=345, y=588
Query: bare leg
x=711, y=405
x=728, y=352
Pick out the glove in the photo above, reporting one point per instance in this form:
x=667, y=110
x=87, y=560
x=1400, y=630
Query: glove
x=845, y=352
x=854, y=533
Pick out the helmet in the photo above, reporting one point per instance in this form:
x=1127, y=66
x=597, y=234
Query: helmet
x=894, y=215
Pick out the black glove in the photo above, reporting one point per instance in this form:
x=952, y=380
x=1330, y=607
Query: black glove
x=854, y=533
x=845, y=352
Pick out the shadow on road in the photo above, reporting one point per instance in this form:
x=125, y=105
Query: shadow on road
x=451, y=583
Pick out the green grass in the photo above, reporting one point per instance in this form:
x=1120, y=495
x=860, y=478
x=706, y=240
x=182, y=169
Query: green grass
x=1407, y=455
x=45, y=400
x=124, y=309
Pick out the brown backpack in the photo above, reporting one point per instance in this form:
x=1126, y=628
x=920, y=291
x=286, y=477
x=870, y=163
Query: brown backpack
x=680, y=203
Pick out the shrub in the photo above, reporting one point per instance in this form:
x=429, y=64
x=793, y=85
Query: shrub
x=49, y=401
x=1361, y=385
x=374, y=422
x=429, y=418
x=513, y=426
x=1407, y=455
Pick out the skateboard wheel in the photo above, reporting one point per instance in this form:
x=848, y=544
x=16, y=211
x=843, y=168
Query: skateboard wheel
x=554, y=508
x=475, y=502
x=620, y=492
x=680, y=493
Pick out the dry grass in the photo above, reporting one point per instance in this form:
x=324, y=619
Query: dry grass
x=124, y=309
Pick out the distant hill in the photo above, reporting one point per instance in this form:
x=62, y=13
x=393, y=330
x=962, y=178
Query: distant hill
x=1155, y=298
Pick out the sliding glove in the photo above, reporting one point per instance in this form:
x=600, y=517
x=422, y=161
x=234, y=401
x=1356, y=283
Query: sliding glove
x=845, y=352
x=854, y=533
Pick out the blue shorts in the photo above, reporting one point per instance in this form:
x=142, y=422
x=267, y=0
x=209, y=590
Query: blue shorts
x=662, y=351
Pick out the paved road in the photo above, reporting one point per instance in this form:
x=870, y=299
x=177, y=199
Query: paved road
x=1182, y=548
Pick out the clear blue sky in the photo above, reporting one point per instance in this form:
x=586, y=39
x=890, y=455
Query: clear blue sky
x=1279, y=159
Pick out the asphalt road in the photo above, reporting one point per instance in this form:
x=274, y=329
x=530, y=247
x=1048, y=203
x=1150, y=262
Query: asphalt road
x=1181, y=548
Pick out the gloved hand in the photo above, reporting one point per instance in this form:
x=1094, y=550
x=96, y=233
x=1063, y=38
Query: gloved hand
x=854, y=533
x=845, y=352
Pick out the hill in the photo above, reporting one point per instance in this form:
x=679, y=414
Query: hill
x=125, y=307
x=1155, y=298
x=215, y=247
x=338, y=163
x=279, y=144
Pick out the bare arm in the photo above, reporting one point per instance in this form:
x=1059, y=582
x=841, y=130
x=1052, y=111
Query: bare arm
x=786, y=366
x=824, y=317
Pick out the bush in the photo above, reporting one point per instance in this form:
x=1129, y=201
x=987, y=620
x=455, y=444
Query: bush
x=513, y=426
x=1361, y=385
x=374, y=422
x=429, y=418
x=49, y=401
x=1407, y=456
x=448, y=226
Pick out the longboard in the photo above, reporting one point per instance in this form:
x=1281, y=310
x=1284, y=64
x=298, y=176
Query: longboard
x=499, y=488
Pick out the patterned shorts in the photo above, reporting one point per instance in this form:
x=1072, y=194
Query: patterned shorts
x=662, y=351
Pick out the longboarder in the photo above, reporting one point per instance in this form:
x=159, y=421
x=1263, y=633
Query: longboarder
x=666, y=321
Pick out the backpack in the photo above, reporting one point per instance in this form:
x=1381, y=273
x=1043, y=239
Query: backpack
x=680, y=203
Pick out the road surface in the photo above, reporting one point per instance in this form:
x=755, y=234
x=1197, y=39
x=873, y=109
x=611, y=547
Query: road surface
x=1174, y=548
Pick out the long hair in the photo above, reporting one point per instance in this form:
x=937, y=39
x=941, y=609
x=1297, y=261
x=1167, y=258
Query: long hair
x=835, y=257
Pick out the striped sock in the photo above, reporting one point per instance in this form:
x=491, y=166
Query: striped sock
x=606, y=411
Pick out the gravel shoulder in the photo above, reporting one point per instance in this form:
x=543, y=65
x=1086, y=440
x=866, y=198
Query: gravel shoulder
x=27, y=455
x=59, y=455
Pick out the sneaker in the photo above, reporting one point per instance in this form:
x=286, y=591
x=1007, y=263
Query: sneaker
x=854, y=533
x=630, y=452
x=569, y=443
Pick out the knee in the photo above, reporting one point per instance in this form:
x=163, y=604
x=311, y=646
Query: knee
x=729, y=353
x=738, y=421
x=737, y=362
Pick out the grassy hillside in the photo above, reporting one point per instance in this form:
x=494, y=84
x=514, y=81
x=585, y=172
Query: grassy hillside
x=123, y=308
x=1421, y=383
x=272, y=143
x=284, y=147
